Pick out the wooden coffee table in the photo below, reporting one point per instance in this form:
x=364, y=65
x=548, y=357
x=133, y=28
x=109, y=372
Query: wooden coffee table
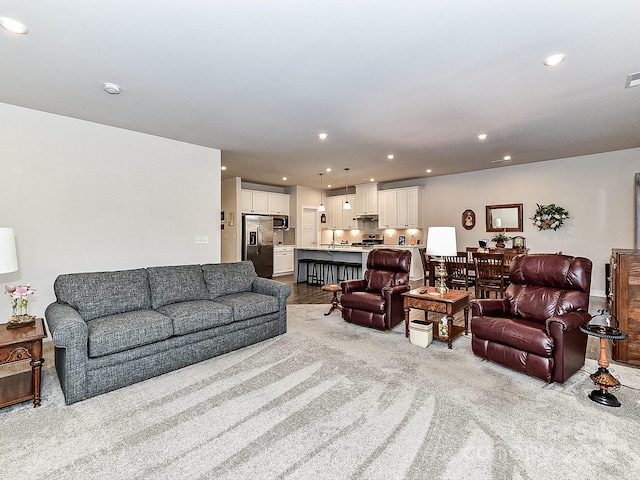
x=448, y=303
x=19, y=344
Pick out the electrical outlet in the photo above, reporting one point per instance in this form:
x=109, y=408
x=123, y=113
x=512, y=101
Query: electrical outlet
x=200, y=239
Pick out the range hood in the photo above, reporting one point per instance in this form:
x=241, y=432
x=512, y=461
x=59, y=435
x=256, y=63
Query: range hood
x=373, y=217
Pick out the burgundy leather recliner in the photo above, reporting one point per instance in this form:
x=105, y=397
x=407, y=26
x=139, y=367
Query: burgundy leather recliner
x=535, y=328
x=376, y=301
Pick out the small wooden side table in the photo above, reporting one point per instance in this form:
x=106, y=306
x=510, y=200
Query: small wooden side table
x=19, y=344
x=335, y=303
x=448, y=303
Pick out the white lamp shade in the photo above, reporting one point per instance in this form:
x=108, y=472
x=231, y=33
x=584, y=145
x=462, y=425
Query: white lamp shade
x=8, y=257
x=441, y=241
x=321, y=208
x=346, y=205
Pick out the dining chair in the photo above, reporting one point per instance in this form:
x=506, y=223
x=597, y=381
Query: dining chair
x=425, y=264
x=490, y=274
x=458, y=271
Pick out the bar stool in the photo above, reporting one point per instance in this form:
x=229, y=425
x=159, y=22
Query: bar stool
x=335, y=303
x=309, y=263
x=352, y=270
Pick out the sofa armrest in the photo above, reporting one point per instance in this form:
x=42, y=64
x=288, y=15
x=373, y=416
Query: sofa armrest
x=350, y=286
x=569, y=321
x=489, y=307
x=267, y=286
x=67, y=327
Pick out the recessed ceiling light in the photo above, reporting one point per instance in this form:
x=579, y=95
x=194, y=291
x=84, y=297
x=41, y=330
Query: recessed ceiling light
x=390, y=156
x=13, y=26
x=507, y=157
x=322, y=136
x=554, y=60
x=329, y=186
x=284, y=178
x=372, y=179
x=482, y=136
x=111, y=88
x=328, y=169
x=428, y=170
x=223, y=168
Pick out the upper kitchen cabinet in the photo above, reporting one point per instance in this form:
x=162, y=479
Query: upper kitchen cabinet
x=399, y=208
x=387, y=207
x=254, y=202
x=337, y=217
x=264, y=203
x=278, y=203
x=409, y=207
x=367, y=199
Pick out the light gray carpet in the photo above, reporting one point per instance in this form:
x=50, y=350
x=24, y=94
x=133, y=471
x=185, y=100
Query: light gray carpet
x=330, y=400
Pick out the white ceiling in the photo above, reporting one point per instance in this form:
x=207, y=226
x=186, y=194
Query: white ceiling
x=259, y=80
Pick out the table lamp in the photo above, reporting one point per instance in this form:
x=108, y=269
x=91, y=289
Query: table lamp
x=441, y=242
x=8, y=257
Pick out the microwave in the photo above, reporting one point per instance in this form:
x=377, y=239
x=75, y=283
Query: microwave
x=280, y=222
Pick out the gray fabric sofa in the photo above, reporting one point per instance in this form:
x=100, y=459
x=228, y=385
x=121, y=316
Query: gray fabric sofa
x=112, y=329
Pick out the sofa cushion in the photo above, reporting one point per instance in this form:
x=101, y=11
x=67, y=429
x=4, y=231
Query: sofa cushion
x=227, y=278
x=116, y=333
x=175, y=284
x=98, y=294
x=189, y=317
x=248, y=305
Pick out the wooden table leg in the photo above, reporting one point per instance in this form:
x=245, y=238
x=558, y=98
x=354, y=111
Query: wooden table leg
x=36, y=372
x=466, y=320
x=406, y=321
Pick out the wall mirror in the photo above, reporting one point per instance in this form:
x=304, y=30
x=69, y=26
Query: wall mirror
x=501, y=218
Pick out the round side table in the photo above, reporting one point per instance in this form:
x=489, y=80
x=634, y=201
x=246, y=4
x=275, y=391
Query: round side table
x=602, y=377
x=335, y=303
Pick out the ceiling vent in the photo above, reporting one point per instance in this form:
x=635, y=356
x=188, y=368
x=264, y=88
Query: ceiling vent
x=633, y=80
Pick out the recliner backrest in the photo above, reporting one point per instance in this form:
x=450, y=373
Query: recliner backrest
x=545, y=285
x=387, y=267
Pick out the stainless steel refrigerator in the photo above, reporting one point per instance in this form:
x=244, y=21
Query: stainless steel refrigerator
x=257, y=243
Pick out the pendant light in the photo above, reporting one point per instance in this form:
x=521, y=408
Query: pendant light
x=347, y=205
x=321, y=207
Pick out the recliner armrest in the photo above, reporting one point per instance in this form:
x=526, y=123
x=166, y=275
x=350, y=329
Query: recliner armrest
x=489, y=307
x=350, y=286
x=569, y=321
x=390, y=292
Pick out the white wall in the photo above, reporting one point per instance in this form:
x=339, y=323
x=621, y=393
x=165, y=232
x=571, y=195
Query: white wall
x=87, y=197
x=597, y=190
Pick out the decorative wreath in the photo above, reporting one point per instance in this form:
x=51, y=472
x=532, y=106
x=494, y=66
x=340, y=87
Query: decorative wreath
x=549, y=217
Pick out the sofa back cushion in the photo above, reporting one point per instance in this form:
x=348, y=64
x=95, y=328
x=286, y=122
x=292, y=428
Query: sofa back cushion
x=174, y=284
x=546, y=285
x=226, y=278
x=98, y=294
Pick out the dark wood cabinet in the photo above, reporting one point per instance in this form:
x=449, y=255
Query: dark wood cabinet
x=625, y=303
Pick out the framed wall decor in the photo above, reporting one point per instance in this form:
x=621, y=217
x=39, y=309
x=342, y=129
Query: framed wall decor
x=401, y=240
x=468, y=219
x=231, y=219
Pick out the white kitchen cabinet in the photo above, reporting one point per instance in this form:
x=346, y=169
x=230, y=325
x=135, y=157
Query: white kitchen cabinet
x=278, y=203
x=387, y=209
x=367, y=199
x=399, y=208
x=337, y=217
x=283, y=260
x=265, y=203
x=409, y=207
x=253, y=201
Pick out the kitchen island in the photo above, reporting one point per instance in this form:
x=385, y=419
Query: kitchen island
x=327, y=253
x=348, y=253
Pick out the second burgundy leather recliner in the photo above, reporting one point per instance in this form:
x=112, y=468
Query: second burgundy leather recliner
x=376, y=301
